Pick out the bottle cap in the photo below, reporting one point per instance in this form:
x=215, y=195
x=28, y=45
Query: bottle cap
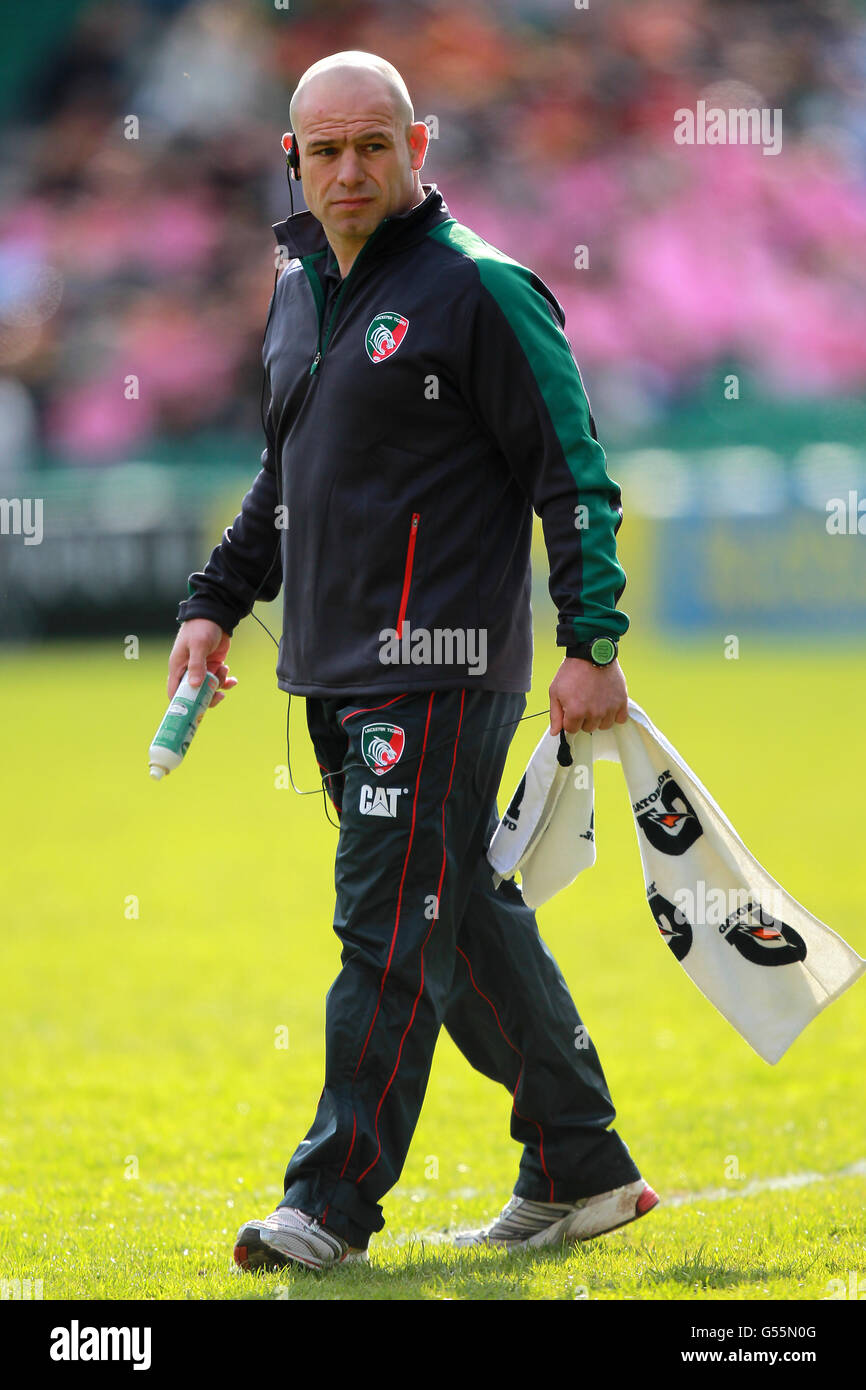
x=156, y=771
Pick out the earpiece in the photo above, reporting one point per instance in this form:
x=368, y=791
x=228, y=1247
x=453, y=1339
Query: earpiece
x=293, y=158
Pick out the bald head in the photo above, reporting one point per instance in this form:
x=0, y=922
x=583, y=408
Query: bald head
x=360, y=148
x=343, y=71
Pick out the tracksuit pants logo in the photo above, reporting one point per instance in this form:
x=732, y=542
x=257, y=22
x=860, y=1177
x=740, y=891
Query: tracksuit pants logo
x=382, y=746
x=380, y=801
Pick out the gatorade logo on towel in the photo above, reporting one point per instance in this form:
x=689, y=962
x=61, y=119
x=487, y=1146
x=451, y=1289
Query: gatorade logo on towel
x=708, y=895
x=675, y=931
x=669, y=823
x=761, y=939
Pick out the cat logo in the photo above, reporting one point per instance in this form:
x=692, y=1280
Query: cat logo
x=380, y=801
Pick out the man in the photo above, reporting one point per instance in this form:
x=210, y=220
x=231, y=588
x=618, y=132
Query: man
x=423, y=399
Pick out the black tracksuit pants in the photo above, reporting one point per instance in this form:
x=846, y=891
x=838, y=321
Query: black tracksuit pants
x=427, y=941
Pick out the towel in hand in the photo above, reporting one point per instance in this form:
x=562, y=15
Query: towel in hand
x=766, y=963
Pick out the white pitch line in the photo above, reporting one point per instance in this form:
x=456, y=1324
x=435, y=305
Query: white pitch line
x=749, y=1189
x=709, y=1194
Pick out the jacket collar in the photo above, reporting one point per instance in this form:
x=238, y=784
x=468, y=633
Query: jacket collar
x=303, y=234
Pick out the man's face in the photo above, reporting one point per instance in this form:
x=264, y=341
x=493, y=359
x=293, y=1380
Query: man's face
x=357, y=157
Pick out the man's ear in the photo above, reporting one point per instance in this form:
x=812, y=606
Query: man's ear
x=419, y=139
x=286, y=141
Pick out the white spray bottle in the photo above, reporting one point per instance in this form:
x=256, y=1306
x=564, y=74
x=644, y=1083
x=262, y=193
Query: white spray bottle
x=180, y=721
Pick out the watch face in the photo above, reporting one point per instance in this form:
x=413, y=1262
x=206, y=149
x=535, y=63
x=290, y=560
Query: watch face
x=603, y=651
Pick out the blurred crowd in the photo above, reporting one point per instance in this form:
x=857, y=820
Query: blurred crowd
x=152, y=257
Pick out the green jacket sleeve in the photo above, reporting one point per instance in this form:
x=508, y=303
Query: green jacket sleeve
x=524, y=384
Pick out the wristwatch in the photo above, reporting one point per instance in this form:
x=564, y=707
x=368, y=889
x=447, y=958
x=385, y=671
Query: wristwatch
x=601, y=651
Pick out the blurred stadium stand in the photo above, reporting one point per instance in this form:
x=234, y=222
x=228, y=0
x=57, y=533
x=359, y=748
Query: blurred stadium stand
x=153, y=258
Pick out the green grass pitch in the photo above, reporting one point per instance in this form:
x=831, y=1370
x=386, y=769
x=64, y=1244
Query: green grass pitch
x=157, y=937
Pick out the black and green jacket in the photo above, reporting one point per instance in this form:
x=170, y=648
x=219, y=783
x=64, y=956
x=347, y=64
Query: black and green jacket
x=411, y=431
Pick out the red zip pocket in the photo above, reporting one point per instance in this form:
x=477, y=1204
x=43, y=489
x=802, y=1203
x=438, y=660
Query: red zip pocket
x=407, y=573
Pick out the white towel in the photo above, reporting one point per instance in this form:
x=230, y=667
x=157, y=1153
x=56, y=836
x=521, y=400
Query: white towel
x=766, y=963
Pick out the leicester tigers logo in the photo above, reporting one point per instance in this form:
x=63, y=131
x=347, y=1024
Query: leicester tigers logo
x=384, y=335
x=382, y=746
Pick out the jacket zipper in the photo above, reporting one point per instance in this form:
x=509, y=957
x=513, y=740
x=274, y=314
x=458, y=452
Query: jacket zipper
x=323, y=346
x=407, y=572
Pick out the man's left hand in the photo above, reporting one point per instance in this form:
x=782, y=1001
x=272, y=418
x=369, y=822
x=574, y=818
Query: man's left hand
x=586, y=697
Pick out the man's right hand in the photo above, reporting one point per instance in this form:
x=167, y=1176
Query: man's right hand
x=200, y=646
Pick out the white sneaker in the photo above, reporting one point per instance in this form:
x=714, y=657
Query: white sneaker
x=288, y=1237
x=522, y=1223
